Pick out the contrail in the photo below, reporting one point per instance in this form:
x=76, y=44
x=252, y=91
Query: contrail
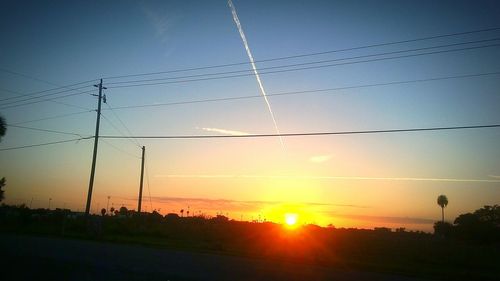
x=252, y=62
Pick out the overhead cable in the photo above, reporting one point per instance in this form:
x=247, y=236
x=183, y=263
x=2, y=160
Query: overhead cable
x=306, y=134
x=310, y=54
x=302, y=68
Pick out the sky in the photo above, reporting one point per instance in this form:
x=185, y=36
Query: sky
x=48, y=48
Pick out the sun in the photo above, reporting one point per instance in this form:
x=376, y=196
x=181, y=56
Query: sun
x=291, y=219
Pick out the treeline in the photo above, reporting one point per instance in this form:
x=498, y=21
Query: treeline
x=413, y=253
x=483, y=226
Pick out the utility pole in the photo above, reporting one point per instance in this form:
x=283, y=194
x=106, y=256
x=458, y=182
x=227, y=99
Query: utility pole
x=140, y=185
x=96, y=141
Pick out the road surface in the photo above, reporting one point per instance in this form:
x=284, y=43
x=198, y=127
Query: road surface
x=44, y=258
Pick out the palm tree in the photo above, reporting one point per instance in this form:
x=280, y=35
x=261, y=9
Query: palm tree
x=443, y=202
x=103, y=212
x=182, y=213
x=2, y=184
x=3, y=127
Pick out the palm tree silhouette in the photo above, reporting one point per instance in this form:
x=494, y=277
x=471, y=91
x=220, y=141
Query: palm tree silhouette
x=3, y=127
x=182, y=213
x=2, y=184
x=442, y=201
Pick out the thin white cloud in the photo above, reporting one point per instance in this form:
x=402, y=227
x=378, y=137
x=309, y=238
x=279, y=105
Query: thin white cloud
x=320, y=158
x=161, y=23
x=383, y=219
x=230, y=204
x=494, y=176
x=225, y=132
x=327, y=178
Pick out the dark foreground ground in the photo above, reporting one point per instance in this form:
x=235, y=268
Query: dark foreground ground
x=43, y=258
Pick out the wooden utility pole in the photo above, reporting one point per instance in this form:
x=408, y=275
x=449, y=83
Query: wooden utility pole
x=140, y=185
x=96, y=141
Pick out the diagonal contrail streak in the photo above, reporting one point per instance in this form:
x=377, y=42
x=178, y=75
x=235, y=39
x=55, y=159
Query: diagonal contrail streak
x=252, y=62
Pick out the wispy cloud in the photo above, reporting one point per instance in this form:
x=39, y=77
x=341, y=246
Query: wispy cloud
x=225, y=132
x=238, y=205
x=162, y=23
x=384, y=219
x=494, y=176
x=320, y=158
x=327, y=178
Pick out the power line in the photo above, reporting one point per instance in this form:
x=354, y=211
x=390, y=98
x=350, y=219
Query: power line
x=112, y=124
x=69, y=88
x=267, y=135
x=69, y=105
x=232, y=76
x=54, y=101
x=52, y=117
x=45, y=100
x=306, y=63
x=309, y=54
x=304, y=68
x=233, y=64
x=52, y=89
x=25, y=76
x=42, y=144
x=134, y=142
x=18, y=94
x=123, y=124
x=121, y=150
x=45, y=130
x=307, y=134
x=49, y=94
x=312, y=91
x=49, y=99
x=10, y=91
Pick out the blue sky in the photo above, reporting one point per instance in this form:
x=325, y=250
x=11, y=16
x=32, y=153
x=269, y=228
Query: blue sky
x=65, y=42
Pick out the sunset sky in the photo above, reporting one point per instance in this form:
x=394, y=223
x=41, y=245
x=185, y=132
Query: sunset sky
x=360, y=180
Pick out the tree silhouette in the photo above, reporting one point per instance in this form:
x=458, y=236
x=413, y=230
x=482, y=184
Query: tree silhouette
x=182, y=212
x=442, y=201
x=103, y=212
x=489, y=214
x=112, y=210
x=123, y=211
x=2, y=184
x=444, y=229
x=3, y=127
